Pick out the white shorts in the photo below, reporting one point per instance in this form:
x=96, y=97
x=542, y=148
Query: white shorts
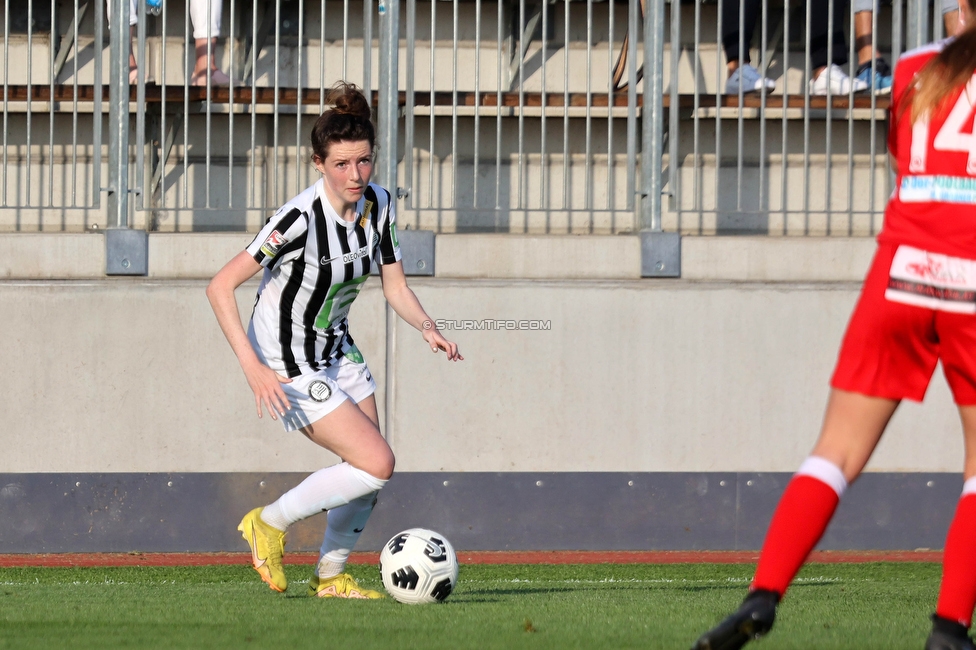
x=311, y=397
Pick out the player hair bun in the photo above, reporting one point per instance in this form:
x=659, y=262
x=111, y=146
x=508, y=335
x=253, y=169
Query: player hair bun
x=349, y=119
x=348, y=99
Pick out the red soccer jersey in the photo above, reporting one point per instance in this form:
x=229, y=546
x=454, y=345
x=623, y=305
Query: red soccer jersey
x=933, y=206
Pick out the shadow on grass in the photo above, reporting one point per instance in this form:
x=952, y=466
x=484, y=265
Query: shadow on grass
x=695, y=589
x=513, y=592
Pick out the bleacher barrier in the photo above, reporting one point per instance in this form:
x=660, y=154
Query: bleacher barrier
x=506, y=116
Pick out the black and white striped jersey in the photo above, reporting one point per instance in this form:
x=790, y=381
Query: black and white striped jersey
x=315, y=264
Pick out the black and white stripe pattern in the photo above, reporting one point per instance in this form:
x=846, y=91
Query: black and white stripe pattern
x=315, y=264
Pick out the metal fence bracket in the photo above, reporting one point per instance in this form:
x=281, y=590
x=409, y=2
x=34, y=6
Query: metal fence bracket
x=126, y=252
x=417, y=249
x=660, y=254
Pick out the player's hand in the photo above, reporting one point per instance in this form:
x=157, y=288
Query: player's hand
x=266, y=384
x=437, y=342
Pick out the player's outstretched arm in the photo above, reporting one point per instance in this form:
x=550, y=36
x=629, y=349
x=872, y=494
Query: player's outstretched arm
x=264, y=382
x=405, y=304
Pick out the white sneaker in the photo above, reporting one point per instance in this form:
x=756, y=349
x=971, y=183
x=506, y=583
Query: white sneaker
x=747, y=79
x=837, y=80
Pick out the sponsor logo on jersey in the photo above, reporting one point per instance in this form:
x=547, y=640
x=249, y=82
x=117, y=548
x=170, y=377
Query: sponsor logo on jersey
x=376, y=240
x=273, y=243
x=338, y=301
x=943, y=189
x=367, y=208
x=319, y=391
x=396, y=242
x=932, y=280
x=352, y=257
x=354, y=355
x=348, y=257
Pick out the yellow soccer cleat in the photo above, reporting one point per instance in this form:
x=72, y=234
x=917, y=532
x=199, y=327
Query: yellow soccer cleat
x=340, y=586
x=267, y=548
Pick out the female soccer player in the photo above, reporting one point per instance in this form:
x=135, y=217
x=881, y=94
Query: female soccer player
x=297, y=354
x=917, y=306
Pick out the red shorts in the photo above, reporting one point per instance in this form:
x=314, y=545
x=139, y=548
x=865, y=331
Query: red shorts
x=891, y=349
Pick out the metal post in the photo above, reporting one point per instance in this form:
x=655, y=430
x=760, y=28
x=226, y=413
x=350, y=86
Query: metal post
x=918, y=23
x=633, y=20
x=386, y=117
x=118, y=116
x=416, y=246
x=388, y=100
x=660, y=251
x=126, y=250
x=653, y=122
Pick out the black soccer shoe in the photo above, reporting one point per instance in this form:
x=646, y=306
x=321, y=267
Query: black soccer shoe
x=753, y=619
x=948, y=635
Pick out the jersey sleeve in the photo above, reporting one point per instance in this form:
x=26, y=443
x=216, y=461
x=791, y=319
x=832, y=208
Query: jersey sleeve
x=893, y=129
x=895, y=110
x=389, y=246
x=282, y=238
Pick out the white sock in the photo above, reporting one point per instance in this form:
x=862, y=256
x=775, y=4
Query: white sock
x=324, y=490
x=969, y=487
x=346, y=524
x=824, y=471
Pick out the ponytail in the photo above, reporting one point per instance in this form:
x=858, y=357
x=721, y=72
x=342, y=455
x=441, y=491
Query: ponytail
x=941, y=77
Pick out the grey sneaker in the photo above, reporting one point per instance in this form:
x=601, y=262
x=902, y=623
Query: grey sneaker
x=747, y=79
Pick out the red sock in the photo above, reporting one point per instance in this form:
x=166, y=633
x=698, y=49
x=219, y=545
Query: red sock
x=957, y=595
x=799, y=522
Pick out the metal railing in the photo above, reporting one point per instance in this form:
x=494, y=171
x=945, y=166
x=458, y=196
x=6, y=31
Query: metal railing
x=794, y=160
x=511, y=115
x=560, y=154
x=233, y=153
x=37, y=128
x=526, y=80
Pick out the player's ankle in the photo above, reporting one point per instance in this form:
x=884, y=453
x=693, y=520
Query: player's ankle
x=764, y=594
x=949, y=627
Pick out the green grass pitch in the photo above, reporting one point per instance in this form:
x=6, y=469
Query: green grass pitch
x=878, y=605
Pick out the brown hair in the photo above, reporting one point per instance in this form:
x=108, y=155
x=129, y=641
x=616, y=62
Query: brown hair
x=349, y=119
x=939, y=79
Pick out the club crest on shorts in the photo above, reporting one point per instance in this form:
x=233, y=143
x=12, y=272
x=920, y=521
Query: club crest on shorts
x=319, y=391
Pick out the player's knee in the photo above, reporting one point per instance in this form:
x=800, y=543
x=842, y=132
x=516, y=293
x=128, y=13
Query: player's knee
x=383, y=466
x=378, y=464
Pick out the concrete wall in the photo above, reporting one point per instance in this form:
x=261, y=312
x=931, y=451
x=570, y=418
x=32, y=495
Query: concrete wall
x=706, y=373
x=667, y=413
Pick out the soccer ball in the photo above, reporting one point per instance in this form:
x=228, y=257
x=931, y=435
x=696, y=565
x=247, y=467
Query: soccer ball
x=419, y=566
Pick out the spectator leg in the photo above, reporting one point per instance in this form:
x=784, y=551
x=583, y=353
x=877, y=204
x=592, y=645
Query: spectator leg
x=205, y=16
x=205, y=60
x=827, y=48
x=864, y=31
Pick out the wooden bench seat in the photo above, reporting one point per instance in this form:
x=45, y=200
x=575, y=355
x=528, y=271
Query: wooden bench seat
x=64, y=94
